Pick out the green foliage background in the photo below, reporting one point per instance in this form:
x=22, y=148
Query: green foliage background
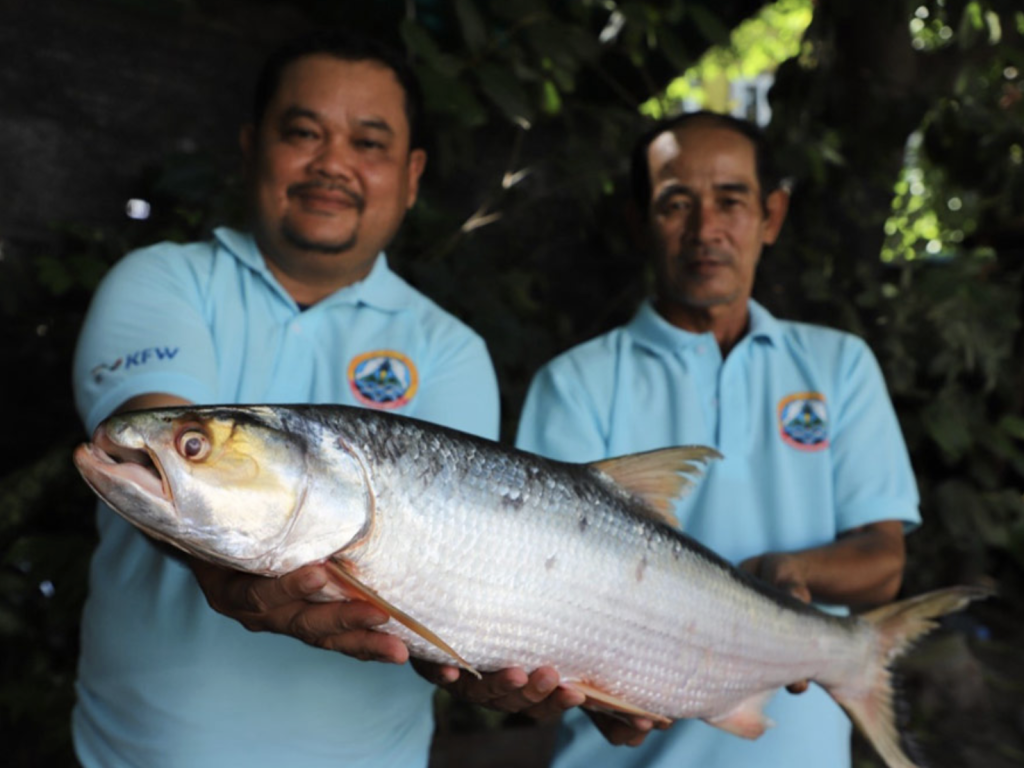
x=886, y=115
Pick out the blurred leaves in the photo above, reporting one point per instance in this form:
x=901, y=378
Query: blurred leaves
x=507, y=93
x=927, y=181
x=46, y=537
x=755, y=47
x=906, y=228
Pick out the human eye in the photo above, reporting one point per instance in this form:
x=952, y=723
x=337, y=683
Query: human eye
x=372, y=143
x=731, y=203
x=675, y=205
x=299, y=132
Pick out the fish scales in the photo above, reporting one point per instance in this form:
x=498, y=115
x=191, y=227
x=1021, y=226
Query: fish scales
x=531, y=585
x=491, y=557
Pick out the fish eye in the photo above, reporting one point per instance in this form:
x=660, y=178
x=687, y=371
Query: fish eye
x=193, y=444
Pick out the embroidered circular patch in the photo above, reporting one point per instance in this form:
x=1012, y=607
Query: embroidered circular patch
x=383, y=378
x=803, y=421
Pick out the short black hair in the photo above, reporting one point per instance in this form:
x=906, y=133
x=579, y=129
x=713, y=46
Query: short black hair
x=640, y=176
x=346, y=46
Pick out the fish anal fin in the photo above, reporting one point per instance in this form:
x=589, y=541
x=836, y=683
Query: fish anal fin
x=658, y=478
x=359, y=591
x=748, y=719
x=598, y=699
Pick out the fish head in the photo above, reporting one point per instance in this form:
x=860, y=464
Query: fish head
x=229, y=484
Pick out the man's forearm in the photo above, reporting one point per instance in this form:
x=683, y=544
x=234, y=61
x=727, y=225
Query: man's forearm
x=863, y=568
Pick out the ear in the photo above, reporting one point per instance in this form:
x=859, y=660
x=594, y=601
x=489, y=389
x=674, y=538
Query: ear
x=247, y=141
x=777, y=205
x=417, y=162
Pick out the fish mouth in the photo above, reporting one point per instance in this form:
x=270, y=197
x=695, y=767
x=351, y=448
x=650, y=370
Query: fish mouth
x=104, y=462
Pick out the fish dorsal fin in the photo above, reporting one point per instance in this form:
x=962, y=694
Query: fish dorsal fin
x=659, y=477
x=359, y=591
x=598, y=699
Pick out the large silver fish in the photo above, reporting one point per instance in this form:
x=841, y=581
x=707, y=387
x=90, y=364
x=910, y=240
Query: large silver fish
x=491, y=557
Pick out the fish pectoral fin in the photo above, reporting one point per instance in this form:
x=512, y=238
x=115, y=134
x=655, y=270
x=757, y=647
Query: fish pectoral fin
x=359, y=591
x=659, y=478
x=748, y=719
x=598, y=699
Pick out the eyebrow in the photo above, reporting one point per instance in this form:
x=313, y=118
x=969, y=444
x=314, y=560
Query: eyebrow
x=294, y=112
x=736, y=187
x=373, y=123
x=377, y=123
x=670, y=190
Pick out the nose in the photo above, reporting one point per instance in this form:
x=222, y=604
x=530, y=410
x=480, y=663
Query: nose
x=333, y=159
x=704, y=224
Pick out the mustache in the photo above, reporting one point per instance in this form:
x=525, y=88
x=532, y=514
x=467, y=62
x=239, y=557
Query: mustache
x=698, y=252
x=357, y=200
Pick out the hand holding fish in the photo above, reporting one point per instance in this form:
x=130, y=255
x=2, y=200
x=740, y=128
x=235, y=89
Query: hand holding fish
x=627, y=731
x=283, y=605
x=536, y=694
x=863, y=568
x=781, y=569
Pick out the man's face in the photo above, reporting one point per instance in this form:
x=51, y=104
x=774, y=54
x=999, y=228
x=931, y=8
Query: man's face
x=331, y=168
x=706, y=221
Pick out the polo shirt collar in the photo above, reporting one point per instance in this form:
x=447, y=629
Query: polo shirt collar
x=653, y=331
x=763, y=325
x=382, y=288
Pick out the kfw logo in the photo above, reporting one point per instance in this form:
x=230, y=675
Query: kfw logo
x=135, y=359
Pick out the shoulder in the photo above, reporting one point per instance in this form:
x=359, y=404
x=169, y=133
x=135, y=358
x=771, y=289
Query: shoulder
x=437, y=326
x=585, y=375
x=814, y=336
x=162, y=265
x=841, y=364
x=171, y=255
x=822, y=346
x=592, y=357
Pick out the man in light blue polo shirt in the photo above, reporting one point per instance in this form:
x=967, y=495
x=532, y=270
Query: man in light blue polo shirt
x=303, y=309
x=815, y=486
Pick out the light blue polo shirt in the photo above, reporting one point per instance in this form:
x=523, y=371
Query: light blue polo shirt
x=811, y=446
x=163, y=680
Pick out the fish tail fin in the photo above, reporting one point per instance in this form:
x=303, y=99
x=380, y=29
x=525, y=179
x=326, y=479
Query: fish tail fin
x=871, y=706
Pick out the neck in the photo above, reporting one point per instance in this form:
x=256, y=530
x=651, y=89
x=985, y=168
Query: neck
x=309, y=276
x=309, y=287
x=727, y=322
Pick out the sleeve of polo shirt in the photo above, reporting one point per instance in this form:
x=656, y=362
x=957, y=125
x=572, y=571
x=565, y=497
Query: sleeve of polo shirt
x=874, y=480
x=144, y=333
x=462, y=389
x=557, y=421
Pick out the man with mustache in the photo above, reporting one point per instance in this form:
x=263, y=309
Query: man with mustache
x=815, y=487
x=303, y=308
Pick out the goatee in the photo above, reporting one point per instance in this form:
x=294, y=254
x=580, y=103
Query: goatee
x=330, y=248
